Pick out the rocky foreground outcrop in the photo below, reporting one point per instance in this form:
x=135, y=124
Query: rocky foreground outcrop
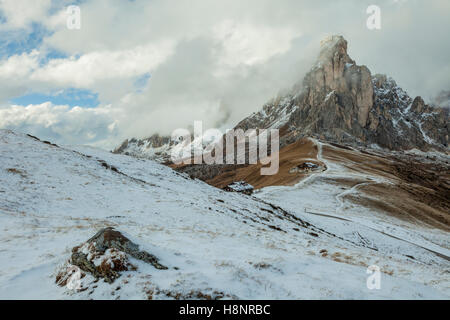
x=105, y=256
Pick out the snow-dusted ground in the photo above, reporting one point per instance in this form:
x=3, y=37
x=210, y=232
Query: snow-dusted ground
x=52, y=199
x=319, y=201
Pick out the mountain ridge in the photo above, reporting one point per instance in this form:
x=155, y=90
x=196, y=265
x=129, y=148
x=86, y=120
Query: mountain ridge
x=338, y=101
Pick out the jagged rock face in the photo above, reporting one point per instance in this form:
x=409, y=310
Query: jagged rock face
x=337, y=72
x=399, y=122
x=342, y=102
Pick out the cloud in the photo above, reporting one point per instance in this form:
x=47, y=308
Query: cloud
x=22, y=13
x=248, y=44
x=18, y=67
x=88, y=69
x=111, y=73
x=63, y=124
x=159, y=65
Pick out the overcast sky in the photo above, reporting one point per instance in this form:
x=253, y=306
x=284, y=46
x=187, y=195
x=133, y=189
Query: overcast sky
x=139, y=67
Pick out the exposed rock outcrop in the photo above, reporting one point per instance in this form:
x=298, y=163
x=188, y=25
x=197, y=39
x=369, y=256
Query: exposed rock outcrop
x=105, y=255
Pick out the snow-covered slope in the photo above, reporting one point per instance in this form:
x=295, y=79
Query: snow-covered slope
x=215, y=243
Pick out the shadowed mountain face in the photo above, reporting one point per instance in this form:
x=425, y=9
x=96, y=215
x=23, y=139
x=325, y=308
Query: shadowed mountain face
x=342, y=102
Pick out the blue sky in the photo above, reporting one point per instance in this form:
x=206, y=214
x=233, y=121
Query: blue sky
x=71, y=97
x=19, y=41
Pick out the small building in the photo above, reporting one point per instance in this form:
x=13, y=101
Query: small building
x=240, y=186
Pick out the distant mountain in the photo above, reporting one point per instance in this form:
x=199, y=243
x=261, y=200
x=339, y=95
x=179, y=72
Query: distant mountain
x=155, y=147
x=159, y=148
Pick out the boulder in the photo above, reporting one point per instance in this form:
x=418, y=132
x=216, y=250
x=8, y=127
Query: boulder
x=107, y=253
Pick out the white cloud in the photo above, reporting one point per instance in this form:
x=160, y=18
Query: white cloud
x=21, y=13
x=18, y=67
x=64, y=124
x=110, y=73
x=249, y=44
x=85, y=71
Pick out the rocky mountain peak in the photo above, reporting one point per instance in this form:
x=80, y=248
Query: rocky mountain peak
x=333, y=52
x=336, y=71
x=343, y=102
